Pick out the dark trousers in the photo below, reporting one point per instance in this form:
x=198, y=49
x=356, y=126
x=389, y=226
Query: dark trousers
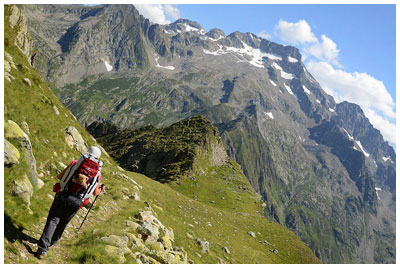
x=60, y=215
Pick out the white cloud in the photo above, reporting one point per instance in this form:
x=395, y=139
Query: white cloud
x=155, y=13
x=387, y=129
x=172, y=11
x=295, y=33
x=359, y=88
x=264, y=35
x=300, y=34
x=325, y=50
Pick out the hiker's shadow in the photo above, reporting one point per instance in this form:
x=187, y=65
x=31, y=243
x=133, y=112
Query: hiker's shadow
x=13, y=233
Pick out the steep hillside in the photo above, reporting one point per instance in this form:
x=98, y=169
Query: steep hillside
x=137, y=220
x=321, y=168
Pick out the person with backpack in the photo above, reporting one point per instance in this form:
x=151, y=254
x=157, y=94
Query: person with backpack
x=78, y=182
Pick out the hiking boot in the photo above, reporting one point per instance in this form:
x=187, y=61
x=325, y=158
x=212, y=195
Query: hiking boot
x=39, y=255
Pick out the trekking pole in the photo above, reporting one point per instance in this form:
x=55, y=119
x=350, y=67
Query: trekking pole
x=101, y=187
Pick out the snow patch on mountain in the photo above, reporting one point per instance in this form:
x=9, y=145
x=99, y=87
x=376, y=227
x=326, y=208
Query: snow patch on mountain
x=270, y=115
x=272, y=82
x=215, y=40
x=108, y=66
x=292, y=60
x=220, y=51
x=387, y=159
x=276, y=66
x=348, y=135
x=254, y=55
x=288, y=89
x=306, y=90
x=361, y=148
x=189, y=28
x=376, y=190
x=273, y=56
x=283, y=73
x=164, y=67
x=286, y=75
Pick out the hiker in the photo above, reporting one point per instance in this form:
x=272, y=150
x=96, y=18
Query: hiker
x=78, y=182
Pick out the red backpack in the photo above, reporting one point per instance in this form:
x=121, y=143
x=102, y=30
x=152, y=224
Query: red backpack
x=86, y=165
x=89, y=168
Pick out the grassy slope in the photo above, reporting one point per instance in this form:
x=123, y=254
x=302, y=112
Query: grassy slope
x=35, y=106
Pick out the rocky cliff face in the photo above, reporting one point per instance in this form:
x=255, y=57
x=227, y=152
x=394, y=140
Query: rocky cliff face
x=87, y=33
x=22, y=40
x=320, y=166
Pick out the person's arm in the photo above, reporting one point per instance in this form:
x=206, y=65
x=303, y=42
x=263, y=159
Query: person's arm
x=99, y=189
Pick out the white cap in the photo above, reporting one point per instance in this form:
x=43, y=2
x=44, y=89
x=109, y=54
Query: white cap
x=95, y=151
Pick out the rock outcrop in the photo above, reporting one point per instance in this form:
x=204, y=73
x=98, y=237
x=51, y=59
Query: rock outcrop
x=13, y=131
x=146, y=240
x=8, y=64
x=11, y=154
x=74, y=139
x=24, y=189
x=23, y=40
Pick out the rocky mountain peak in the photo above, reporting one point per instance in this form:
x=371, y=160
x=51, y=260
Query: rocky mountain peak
x=184, y=25
x=216, y=34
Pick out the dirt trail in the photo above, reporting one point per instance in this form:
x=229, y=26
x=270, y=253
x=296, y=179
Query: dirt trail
x=26, y=245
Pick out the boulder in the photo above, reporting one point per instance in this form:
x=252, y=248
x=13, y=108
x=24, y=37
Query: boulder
x=136, y=196
x=189, y=236
x=56, y=110
x=275, y=251
x=135, y=243
x=132, y=225
x=27, y=81
x=114, y=251
x=118, y=241
x=10, y=60
x=13, y=131
x=166, y=240
x=74, y=138
x=149, y=232
x=163, y=257
x=24, y=189
x=11, y=154
x=226, y=250
x=8, y=64
x=205, y=245
x=25, y=127
x=252, y=234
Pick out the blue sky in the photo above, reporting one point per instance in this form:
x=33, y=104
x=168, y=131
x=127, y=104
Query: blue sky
x=349, y=49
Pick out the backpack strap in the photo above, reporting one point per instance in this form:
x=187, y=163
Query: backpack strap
x=70, y=172
x=93, y=185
